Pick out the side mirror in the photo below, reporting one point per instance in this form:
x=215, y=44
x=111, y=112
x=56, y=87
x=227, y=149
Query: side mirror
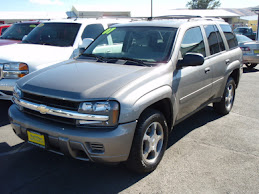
x=191, y=59
x=24, y=37
x=86, y=42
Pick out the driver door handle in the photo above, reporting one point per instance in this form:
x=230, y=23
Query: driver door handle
x=227, y=62
x=206, y=70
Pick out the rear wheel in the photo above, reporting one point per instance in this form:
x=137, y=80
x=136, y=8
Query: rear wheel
x=227, y=101
x=150, y=142
x=251, y=65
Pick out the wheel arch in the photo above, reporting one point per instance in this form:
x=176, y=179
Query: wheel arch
x=166, y=108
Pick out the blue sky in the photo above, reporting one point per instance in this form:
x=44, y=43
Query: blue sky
x=65, y=5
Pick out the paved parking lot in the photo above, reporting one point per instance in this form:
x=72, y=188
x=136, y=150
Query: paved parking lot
x=207, y=153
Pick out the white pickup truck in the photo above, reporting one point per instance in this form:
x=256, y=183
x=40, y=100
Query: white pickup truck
x=49, y=43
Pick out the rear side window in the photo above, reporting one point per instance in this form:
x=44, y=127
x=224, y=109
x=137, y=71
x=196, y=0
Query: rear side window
x=231, y=38
x=193, y=42
x=216, y=44
x=92, y=31
x=221, y=43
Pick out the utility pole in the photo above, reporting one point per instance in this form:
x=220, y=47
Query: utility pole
x=151, y=8
x=256, y=10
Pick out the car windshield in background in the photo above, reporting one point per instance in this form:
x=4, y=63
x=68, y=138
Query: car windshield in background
x=18, y=31
x=241, y=39
x=54, y=34
x=139, y=44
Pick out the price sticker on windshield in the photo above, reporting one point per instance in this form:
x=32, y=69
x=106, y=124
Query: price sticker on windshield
x=108, y=31
x=32, y=26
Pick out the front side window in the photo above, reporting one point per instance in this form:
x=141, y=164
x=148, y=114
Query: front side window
x=18, y=31
x=231, y=38
x=147, y=44
x=193, y=42
x=54, y=34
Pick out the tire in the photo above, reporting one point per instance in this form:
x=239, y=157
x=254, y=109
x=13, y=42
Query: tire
x=225, y=105
x=149, y=143
x=251, y=65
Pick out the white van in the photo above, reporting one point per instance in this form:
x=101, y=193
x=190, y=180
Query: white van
x=49, y=43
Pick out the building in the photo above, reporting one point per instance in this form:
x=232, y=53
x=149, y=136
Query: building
x=98, y=11
x=11, y=17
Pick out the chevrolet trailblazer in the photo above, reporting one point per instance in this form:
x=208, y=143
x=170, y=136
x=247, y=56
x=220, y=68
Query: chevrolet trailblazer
x=119, y=100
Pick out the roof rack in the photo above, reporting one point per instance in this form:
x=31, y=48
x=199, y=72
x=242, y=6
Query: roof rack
x=188, y=17
x=175, y=17
x=208, y=19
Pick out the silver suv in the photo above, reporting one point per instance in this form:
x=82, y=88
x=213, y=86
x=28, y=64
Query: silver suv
x=119, y=100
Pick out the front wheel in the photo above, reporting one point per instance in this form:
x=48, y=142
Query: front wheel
x=251, y=65
x=227, y=101
x=150, y=142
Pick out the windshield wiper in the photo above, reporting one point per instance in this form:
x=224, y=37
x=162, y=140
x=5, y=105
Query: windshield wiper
x=27, y=41
x=137, y=61
x=95, y=56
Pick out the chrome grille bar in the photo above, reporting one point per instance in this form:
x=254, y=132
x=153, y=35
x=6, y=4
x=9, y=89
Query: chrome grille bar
x=58, y=112
x=1, y=71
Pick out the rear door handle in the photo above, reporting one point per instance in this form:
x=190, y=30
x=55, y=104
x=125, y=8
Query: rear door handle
x=227, y=61
x=207, y=70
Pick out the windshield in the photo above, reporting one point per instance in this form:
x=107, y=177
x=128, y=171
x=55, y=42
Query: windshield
x=145, y=44
x=18, y=31
x=242, y=30
x=242, y=39
x=53, y=34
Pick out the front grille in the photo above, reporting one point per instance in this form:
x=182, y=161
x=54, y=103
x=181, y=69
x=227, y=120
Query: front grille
x=53, y=102
x=50, y=117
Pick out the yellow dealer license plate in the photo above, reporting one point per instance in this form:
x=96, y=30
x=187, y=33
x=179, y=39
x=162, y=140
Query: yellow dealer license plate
x=36, y=138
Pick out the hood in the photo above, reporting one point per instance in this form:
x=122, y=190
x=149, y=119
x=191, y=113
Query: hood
x=7, y=41
x=34, y=55
x=79, y=80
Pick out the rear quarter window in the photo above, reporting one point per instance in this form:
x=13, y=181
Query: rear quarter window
x=230, y=36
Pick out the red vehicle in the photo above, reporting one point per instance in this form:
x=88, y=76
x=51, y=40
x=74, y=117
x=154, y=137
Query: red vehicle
x=3, y=27
x=17, y=31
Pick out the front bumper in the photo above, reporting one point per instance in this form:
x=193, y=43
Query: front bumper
x=6, y=88
x=97, y=145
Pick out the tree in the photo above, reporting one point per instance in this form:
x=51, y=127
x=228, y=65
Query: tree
x=203, y=4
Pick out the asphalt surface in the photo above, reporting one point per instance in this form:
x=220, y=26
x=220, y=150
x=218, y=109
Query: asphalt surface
x=207, y=153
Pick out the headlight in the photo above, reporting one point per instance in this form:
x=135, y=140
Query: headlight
x=17, y=92
x=15, y=70
x=17, y=95
x=110, y=109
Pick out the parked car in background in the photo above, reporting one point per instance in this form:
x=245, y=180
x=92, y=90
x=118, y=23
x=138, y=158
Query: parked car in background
x=3, y=28
x=49, y=43
x=118, y=101
x=250, y=50
x=246, y=31
x=16, y=32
